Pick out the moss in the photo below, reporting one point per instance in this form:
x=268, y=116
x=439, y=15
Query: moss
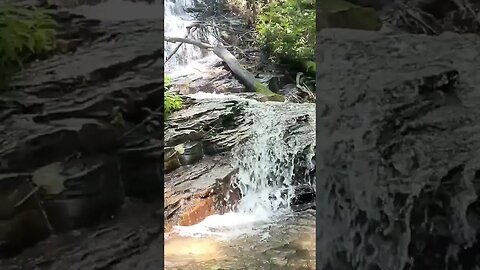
x=310, y=67
x=262, y=89
x=276, y=97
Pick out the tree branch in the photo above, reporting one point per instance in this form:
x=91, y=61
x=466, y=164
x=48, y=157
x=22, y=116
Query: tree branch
x=189, y=41
x=244, y=76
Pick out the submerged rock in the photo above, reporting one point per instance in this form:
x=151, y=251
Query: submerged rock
x=399, y=151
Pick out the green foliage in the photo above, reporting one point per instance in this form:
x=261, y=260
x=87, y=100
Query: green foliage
x=167, y=81
x=287, y=28
x=171, y=103
x=23, y=33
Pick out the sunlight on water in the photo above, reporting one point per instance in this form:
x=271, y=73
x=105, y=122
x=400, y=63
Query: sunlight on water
x=283, y=244
x=226, y=226
x=200, y=249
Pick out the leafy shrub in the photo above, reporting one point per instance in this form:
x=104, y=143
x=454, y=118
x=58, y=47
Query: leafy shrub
x=172, y=102
x=24, y=33
x=287, y=28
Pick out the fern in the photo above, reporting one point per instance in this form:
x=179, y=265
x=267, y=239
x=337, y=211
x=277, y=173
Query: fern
x=172, y=102
x=24, y=33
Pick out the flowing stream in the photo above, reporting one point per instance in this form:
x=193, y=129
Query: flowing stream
x=263, y=231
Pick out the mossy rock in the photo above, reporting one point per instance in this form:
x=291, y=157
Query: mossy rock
x=271, y=96
x=343, y=14
x=310, y=67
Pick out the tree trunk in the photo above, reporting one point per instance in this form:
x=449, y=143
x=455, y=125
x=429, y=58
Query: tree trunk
x=244, y=76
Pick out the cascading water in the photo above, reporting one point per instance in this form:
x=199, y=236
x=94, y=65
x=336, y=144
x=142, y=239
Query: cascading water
x=175, y=25
x=266, y=162
x=176, y=22
x=281, y=140
x=276, y=158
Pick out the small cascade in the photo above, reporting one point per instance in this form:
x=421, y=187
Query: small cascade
x=281, y=141
x=176, y=22
x=275, y=159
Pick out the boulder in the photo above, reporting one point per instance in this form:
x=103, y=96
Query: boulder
x=22, y=219
x=79, y=192
x=192, y=193
x=141, y=169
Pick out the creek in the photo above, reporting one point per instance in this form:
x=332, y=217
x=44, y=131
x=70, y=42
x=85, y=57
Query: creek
x=262, y=230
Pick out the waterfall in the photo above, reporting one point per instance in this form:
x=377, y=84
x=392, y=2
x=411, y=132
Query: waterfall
x=277, y=156
x=282, y=139
x=188, y=57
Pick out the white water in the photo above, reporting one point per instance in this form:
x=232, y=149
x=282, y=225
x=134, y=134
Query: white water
x=266, y=171
x=265, y=165
x=189, y=59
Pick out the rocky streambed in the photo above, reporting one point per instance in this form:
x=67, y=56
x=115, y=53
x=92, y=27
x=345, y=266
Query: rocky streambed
x=76, y=149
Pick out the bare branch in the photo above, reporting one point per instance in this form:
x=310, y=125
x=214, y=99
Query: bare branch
x=189, y=41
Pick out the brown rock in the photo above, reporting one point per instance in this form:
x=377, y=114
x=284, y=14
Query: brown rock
x=200, y=210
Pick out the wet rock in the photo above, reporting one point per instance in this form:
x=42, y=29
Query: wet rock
x=71, y=123
x=195, y=192
x=399, y=151
x=79, y=192
x=200, y=209
x=22, y=219
x=304, y=198
x=189, y=153
x=141, y=169
x=171, y=161
x=118, y=243
x=208, y=127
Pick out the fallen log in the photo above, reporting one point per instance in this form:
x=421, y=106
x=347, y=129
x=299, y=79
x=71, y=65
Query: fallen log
x=244, y=76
